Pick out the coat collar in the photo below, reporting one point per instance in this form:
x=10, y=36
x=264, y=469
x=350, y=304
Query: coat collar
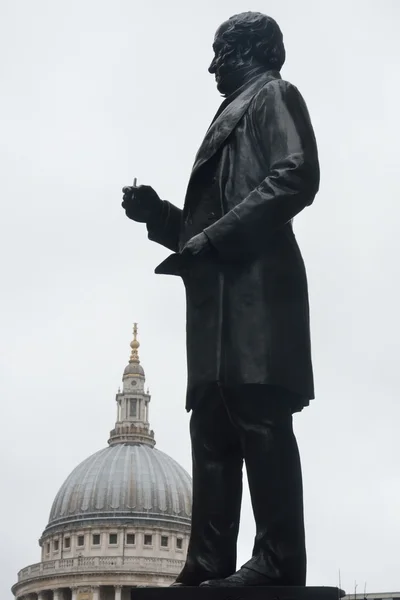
x=228, y=116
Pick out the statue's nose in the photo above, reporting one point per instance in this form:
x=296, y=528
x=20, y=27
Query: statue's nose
x=211, y=68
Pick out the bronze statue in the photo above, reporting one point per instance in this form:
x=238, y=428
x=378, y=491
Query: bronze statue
x=248, y=340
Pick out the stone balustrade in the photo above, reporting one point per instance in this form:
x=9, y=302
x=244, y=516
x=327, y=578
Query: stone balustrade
x=91, y=564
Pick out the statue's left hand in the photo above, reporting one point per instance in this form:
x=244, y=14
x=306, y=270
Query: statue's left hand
x=197, y=245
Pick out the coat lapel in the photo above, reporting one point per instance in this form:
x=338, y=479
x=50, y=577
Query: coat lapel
x=229, y=117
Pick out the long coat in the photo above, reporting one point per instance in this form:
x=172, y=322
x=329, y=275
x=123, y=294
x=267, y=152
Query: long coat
x=247, y=301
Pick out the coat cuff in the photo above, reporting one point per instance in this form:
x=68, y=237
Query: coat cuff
x=228, y=237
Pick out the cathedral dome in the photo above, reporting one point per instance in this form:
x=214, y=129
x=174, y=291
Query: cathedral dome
x=124, y=482
x=122, y=518
x=130, y=480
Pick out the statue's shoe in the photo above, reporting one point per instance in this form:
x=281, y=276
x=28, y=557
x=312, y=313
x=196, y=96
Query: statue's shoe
x=242, y=578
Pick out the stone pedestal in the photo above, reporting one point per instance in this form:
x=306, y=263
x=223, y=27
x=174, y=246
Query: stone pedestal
x=239, y=593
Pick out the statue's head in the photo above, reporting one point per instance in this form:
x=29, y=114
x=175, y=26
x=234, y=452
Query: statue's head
x=245, y=40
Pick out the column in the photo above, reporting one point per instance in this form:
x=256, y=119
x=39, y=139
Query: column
x=118, y=592
x=57, y=595
x=41, y=596
x=74, y=593
x=96, y=593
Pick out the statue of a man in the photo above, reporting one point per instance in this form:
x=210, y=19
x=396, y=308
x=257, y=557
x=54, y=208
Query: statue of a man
x=248, y=339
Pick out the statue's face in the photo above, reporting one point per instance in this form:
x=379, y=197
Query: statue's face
x=226, y=61
x=244, y=41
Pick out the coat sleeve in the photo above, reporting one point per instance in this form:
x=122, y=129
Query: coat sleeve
x=165, y=228
x=287, y=141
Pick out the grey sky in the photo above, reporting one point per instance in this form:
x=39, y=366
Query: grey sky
x=95, y=92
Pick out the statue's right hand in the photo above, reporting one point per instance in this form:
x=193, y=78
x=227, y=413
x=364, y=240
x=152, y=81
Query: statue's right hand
x=141, y=203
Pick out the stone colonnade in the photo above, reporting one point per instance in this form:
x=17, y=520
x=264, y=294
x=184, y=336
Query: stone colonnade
x=58, y=594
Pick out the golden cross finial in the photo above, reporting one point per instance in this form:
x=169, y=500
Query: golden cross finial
x=135, y=346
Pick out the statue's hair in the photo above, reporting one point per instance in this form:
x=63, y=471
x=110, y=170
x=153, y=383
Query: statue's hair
x=252, y=35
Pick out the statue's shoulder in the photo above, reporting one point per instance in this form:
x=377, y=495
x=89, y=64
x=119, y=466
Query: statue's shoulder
x=277, y=85
x=275, y=90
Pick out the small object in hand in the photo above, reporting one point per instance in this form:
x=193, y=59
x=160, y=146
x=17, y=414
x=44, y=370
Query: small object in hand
x=141, y=203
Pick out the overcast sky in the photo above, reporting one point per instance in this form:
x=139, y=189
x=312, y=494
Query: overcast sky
x=96, y=92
